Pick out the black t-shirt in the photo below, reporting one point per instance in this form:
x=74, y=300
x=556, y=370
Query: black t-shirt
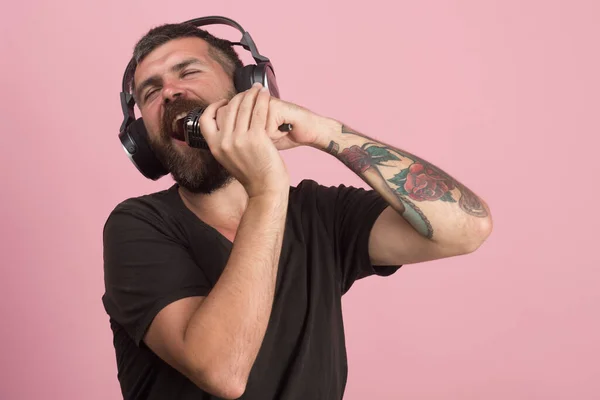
x=156, y=251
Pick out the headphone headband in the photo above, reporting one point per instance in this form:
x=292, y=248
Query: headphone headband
x=246, y=42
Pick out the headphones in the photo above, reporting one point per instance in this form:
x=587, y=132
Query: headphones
x=133, y=134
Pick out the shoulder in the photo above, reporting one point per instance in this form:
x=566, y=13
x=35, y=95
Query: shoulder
x=310, y=186
x=307, y=193
x=304, y=185
x=309, y=190
x=155, y=209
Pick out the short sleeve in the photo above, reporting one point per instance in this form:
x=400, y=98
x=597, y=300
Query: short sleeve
x=349, y=214
x=146, y=267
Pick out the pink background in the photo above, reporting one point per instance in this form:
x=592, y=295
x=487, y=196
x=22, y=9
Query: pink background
x=504, y=95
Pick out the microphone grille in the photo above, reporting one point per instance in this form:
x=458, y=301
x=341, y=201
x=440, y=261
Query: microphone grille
x=193, y=136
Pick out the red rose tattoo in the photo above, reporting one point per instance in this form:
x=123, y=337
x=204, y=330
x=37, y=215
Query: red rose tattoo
x=357, y=158
x=425, y=183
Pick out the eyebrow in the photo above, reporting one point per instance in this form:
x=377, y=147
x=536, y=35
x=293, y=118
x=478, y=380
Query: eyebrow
x=155, y=80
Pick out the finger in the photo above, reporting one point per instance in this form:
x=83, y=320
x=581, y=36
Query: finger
x=242, y=124
x=207, y=121
x=221, y=114
x=231, y=113
x=273, y=116
x=261, y=110
x=208, y=124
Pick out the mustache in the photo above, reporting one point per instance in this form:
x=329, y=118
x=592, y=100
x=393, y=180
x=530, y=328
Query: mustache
x=175, y=108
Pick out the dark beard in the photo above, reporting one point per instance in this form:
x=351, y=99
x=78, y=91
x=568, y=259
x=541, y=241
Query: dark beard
x=196, y=170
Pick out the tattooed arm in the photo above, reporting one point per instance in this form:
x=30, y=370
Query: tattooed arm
x=431, y=214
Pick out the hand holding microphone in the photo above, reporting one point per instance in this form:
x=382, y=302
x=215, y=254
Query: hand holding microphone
x=241, y=143
x=189, y=129
x=288, y=126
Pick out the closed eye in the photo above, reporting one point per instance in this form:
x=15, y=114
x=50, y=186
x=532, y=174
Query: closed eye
x=187, y=73
x=150, y=93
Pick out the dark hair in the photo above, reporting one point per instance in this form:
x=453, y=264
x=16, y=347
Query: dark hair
x=219, y=49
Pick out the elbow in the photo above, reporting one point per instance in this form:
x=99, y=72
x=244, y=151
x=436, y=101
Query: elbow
x=230, y=392
x=478, y=235
x=223, y=383
x=216, y=370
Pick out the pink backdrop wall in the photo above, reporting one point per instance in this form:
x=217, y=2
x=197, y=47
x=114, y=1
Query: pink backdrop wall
x=501, y=94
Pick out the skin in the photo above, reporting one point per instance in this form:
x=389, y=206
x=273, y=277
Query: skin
x=430, y=215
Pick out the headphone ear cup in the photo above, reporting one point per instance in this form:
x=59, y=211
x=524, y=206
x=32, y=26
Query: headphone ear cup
x=244, y=78
x=267, y=75
x=137, y=146
x=263, y=73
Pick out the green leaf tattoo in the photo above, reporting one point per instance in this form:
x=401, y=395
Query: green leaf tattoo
x=399, y=180
x=448, y=197
x=380, y=155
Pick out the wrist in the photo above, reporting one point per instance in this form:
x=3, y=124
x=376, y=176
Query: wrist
x=328, y=130
x=269, y=195
x=270, y=203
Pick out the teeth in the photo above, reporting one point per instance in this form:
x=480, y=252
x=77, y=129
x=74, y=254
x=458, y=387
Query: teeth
x=176, y=119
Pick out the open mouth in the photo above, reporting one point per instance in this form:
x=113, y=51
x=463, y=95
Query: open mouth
x=178, y=127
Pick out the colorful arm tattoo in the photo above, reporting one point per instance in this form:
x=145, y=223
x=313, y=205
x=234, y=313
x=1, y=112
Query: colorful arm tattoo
x=411, y=179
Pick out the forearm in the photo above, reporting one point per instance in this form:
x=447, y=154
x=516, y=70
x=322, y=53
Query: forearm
x=435, y=204
x=227, y=330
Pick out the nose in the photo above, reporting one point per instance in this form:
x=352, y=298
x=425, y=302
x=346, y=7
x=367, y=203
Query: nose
x=171, y=93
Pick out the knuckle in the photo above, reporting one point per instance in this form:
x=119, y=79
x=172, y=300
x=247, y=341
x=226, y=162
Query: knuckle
x=238, y=143
x=259, y=112
x=226, y=148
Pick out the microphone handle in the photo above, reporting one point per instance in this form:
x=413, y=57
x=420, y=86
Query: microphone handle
x=193, y=136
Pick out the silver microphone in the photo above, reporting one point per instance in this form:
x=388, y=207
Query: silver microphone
x=190, y=127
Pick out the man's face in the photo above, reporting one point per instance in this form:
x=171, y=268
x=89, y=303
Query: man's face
x=173, y=79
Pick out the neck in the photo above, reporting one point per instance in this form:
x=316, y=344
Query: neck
x=222, y=209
